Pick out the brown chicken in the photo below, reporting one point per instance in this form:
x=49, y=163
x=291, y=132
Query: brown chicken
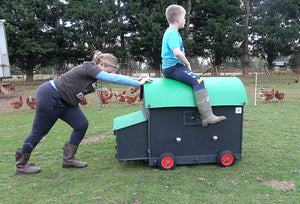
x=266, y=95
x=103, y=95
x=104, y=100
x=17, y=104
x=11, y=86
x=120, y=96
x=133, y=90
x=83, y=102
x=130, y=99
x=106, y=93
x=110, y=94
x=296, y=80
x=139, y=98
x=279, y=95
x=30, y=102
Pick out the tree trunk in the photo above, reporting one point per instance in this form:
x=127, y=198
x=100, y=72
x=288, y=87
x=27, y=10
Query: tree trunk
x=122, y=36
x=188, y=16
x=245, y=54
x=29, y=75
x=215, y=71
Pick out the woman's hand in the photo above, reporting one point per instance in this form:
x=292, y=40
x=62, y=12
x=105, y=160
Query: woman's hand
x=145, y=79
x=142, y=76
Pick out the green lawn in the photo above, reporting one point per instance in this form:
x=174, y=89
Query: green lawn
x=268, y=173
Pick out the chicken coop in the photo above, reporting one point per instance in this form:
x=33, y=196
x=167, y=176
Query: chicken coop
x=168, y=130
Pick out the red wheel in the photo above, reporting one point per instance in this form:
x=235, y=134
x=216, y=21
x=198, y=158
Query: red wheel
x=226, y=158
x=166, y=161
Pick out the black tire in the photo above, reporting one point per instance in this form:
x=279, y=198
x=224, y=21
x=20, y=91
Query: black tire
x=166, y=161
x=226, y=158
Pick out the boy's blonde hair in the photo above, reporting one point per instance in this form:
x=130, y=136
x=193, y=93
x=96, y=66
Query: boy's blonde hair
x=173, y=11
x=106, y=58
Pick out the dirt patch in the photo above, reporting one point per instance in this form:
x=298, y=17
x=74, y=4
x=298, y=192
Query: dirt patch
x=284, y=186
x=246, y=123
x=94, y=138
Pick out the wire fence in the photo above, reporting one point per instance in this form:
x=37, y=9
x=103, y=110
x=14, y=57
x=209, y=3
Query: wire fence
x=253, y=80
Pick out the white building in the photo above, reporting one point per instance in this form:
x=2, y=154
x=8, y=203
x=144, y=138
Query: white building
x=4, y=62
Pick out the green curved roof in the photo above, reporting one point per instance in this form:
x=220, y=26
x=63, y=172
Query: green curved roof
x=223, y=91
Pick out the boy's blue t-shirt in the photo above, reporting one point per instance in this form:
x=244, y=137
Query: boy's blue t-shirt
x=171, y=40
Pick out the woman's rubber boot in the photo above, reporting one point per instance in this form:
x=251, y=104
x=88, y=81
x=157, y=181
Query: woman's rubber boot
x=205, y=110
x=22, y=166
x=69, y=160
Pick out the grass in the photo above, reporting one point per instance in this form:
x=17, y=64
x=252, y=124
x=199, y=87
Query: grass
x=268, y=173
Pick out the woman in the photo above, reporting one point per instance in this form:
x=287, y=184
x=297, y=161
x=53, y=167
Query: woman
x=59, y=99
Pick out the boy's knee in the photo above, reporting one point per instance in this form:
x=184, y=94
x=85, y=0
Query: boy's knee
x=198, y=85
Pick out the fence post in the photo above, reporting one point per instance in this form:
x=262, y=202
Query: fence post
x=255, y=89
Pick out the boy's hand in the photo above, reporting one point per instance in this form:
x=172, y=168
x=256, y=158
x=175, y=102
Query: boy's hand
x=179, y=54
x=189, y=66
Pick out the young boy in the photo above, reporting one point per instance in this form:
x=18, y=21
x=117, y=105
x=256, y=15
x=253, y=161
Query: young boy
x=176, y=66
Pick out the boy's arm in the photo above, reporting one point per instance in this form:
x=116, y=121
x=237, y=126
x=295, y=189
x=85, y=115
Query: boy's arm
x=177, y=52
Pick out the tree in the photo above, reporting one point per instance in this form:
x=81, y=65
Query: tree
x=274, y=28
x=123, y=55
x=294, y=60
x=147, y=23
x=28, y=25
x=58, y=35
x=216, y=32
x=245, y=61
x=48, y=33
x=23, y=31
x=92, y=25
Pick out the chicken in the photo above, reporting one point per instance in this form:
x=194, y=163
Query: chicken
x=103, y=96
x=262, y=91
x=120, y=96
x=103, y=99
x=17, y=104
x=83, y=102
x=104, y=92
x=266, y=95
x=279, y=95
x=130, y=99
x=139, y=98
x=296, y=80
x=11, y=86
x=30, y=102
x=110, y=94
x=133, y=90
